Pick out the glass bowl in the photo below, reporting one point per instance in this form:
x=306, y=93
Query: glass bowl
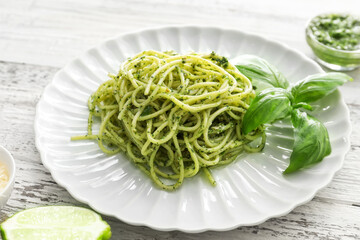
x=332, y=58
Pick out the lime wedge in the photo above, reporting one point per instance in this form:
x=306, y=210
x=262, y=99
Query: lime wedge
x=55, y=222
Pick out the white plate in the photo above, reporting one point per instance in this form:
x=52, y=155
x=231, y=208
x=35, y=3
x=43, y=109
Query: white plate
x=249, y=191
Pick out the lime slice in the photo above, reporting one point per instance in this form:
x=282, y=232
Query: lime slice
x=56, y=222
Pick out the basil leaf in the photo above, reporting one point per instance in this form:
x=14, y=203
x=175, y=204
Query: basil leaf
x=268, y=105
x=311, y=144
x=317, y=86
x=261, y=73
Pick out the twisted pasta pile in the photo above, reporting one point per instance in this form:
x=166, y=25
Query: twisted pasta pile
x=174, y=115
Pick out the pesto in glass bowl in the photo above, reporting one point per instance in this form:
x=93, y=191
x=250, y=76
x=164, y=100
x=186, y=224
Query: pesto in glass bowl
x=335, y=40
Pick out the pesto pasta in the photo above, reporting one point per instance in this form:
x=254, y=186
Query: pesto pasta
x=174, y=115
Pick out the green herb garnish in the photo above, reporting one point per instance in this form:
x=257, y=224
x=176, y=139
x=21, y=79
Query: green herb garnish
x=261, y=73
x=272, y=100
x=317, y=86
x=311, y=144
x=277, y=100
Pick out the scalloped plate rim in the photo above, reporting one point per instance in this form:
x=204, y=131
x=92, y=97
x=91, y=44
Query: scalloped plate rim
x=83, y=199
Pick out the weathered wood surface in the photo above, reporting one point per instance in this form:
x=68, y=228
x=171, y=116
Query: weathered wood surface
x=52, y=32
x=38, y=37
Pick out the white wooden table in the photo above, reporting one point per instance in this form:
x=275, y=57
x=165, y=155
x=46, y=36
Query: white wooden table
x=38, y=37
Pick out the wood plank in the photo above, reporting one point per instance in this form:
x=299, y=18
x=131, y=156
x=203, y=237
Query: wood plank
x=52, y=32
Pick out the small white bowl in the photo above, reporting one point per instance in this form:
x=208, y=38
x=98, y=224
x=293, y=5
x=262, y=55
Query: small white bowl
x=9, y=162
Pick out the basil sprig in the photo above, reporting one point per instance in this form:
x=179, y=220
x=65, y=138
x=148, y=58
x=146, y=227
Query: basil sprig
x=317, y=86
x=278, y=100
x=273, y=100
x=311, y=144
x=262, y=74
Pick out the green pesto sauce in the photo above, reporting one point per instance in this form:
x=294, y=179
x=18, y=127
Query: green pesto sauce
x=339, y=31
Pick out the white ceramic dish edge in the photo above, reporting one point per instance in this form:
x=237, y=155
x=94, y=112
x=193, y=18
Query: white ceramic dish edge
x=9, y=162
x=305, y=199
